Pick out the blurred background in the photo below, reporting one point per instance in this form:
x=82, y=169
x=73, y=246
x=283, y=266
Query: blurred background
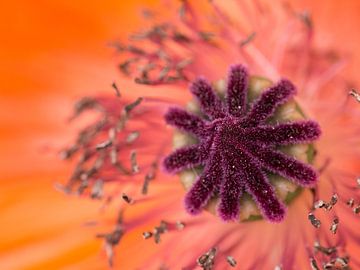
x=51, y=54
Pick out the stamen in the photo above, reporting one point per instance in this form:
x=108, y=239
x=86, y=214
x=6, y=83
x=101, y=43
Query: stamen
x=332, y=202
x=231, y=261
x=134, y=165
x=132, y=136
x=88, y=149
x=248, y=39
x=313, y=264
x=112, y=134
x=117, y=91
x=85, y=103
x=147, y=235
x=127, y=199
x=305, y=16
x=334, y=225
x=128, y=108
x=327, y=251
x=103, y=145
x=125, y=66
x=158, y=67
x=327, y=206
x=355, y=94
x=350, y=203
x=148, y=177
x=314, y=221
x=319, y=204
x=337, y=263
x=112, y=239
x=68, y=153
x=180, y=225
x=97, y=191
x=207, y=260
x=158, y=230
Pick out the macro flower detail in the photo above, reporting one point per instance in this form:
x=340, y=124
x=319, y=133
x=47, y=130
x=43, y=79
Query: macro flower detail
x=238, y=146
x=244, y=148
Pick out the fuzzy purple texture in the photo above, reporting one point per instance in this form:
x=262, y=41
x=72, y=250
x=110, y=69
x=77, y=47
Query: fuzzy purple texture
x=237, y=146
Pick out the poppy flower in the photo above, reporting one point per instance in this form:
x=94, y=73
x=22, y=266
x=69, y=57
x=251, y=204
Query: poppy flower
x=205, y=146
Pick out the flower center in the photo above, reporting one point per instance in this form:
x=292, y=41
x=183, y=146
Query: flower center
x=243, y=154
